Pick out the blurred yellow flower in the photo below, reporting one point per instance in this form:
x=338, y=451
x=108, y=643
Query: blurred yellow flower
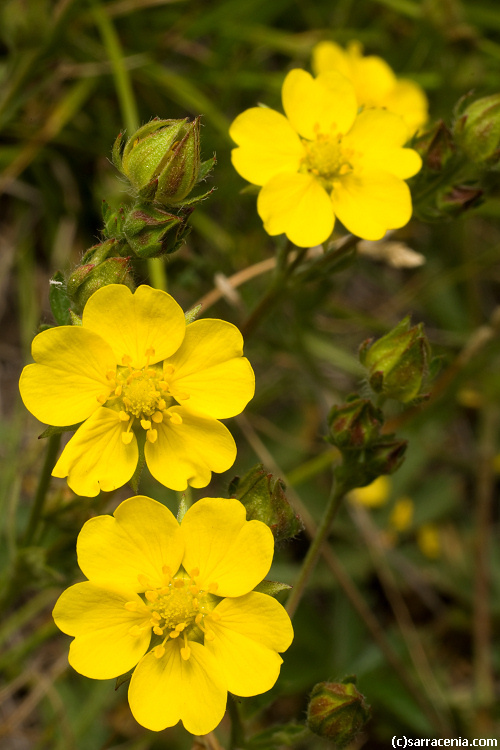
x=135, y=372
x=374, y=81
x=373, y=495
x=178, y=602
x=325, y=160
x=402, y=514
x=429, y=541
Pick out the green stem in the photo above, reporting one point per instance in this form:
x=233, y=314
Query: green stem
x=237, y=739
x=43, y=486
x=314, y=551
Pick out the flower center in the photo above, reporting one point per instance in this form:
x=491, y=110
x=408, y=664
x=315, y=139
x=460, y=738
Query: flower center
x=142, y=396
x=179, y=608
x=326, y=158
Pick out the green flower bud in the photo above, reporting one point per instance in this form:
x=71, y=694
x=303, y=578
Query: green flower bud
x=151, y=231
x=459, y=199
x=397, y=362
x=355, y=425
x=265, y=500
x=162, y=160
x=337, y=712
x=477, y=130
x=384, y=457
x=113, y=220
x=435, y=146
x=88, y=278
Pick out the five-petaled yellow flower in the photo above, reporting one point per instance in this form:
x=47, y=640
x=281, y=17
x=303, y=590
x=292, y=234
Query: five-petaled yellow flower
x=374, y=81
x=134, y=371
x=178, y=601
x=325, y=159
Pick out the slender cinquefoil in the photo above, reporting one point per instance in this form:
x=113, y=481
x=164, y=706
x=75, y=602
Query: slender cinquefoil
x=325, y=159
x=178, y=602
x=137, y=374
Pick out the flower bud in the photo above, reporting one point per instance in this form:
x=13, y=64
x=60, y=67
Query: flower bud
x=88, y=278
x=435, y=146
x=385, y=456
x=151, y=231
x=355, y=425
x=162, y=160
x=477, y=130
x=397, y=362
x=265, y=500
x=459, y=199
x=337, y=712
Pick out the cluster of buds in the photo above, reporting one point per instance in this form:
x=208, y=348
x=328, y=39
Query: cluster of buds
x=161, y=161
x=337, y=711
x=398, y=362
x=356, y=430
x=457, y=160
x=264, y=499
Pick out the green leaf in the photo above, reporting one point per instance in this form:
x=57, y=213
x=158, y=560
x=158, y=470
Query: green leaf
x=59, y=300
x=282, y=735
x=271, y=588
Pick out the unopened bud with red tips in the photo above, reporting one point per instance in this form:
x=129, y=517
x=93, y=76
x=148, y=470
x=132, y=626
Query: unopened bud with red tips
x=477, y=129
x=435, y=146
x=459, y=199
x=337, y=712
x=385, y=456
x=355, y=425
x=397, y=362
x=265, y=500
x=162, y=160
x=152, y=231
x=88, y=278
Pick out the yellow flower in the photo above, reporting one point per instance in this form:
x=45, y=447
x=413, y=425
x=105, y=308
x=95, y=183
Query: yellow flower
x=429, y=540
x=373, y=495
x=135, y=372
x=374, y=81
x=401, y=517
x=324, y=159
x=178, y=602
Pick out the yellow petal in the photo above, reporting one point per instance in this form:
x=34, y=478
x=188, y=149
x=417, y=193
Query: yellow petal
x=209, y=367
x=268, y=145
x=96, y=458
x=330, y=56
x=225, y=547
x=103, y=647
x=373, y=80
x=164, y=691
x=377, y=136
x=408, y=100
x=324, y=104
x=252, y=629
x=62, y=389
x=134, y=324
x=142, y=537
x=371, y=203
x=297, y=205
x=188, y=452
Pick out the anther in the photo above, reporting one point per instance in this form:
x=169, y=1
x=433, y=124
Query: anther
x=166, y=571
x=179, y=583
x=157, y=630
x=150, y=352
x=131, y=606
x=126, y=360
x=194, y=573
x=162, y=404
x=185, y=650
x=168, y=369
x=118, y=390
x=213, y=588
x=182, y=396
x=110, y=375
x=145, y=424
x=102, y=398
x=174, y=633
x=127, y=437
x=215, y=616
x=209, y=635
x=124, y=417
x=155, y=618
x=143, y=580
x=175, y=418
x=159, y=651
x=152, y=435
x=135, y=630
x=157, y=417
x=151, y=596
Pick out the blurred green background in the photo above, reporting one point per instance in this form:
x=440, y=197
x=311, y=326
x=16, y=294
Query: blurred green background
x=72, y=75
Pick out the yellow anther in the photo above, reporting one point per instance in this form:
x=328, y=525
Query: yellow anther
x=157, y=630
x=194, y=590
x=127, y=402
x=126, y=360
x=213, y=588
x=110, y=375
x=209, y=635
x=151, y=596
x=179, y=583
x=156, y=617
x=198, y=618
x=180, y=627
x=196, y=603
x=168, y=369
x=150, y=352
x=144, y=581
x=127, y=437
x=175, y=418
x=215, y=616
x=102, y=398
x=194, y=573
x=174, y=634
x=118, y=390
x=131, y=606
x=185, y=650
x=150, y=373
x=162, y=404
x=145, y=424
x=124, y=416
x=182, y=396
x=166, y=571
x=163, y=385
x=157, y=417
x=152, y=435
x=159, y=651
x=135, y=630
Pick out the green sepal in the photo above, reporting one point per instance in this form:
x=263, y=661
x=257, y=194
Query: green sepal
x=52, y=430
x=206, y=167
x=281, y=735
x=184, y=506
x=75, y=319
x=123, y=679
x=192, y=314
x=59, y=300
x=271, y=588
x=250, y=190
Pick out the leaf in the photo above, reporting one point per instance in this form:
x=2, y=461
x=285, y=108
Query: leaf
x=271, y=588
x=59, y=300
x=52, y=430
x=278, y=736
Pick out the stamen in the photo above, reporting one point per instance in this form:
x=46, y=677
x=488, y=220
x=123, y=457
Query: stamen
x=159, y=651
x=152, y=435
x=144, y=581
x=182, y=396
x=175, y=418
x=157, y=417
x=195, y=572
x=135, y=630
x=209, y=635
x=131, y=606
x=213, y=588
x=185, y=650
x=102, y=398
x=151, y=596
x=124, y=416
x=150, y=352
x=179, y=583
x=110, y=374
x=166, y=571
x=145, y=424
x=174, y=634
x=157, y=630
x=126, y=360
x=127, y=437
x=168, y=369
